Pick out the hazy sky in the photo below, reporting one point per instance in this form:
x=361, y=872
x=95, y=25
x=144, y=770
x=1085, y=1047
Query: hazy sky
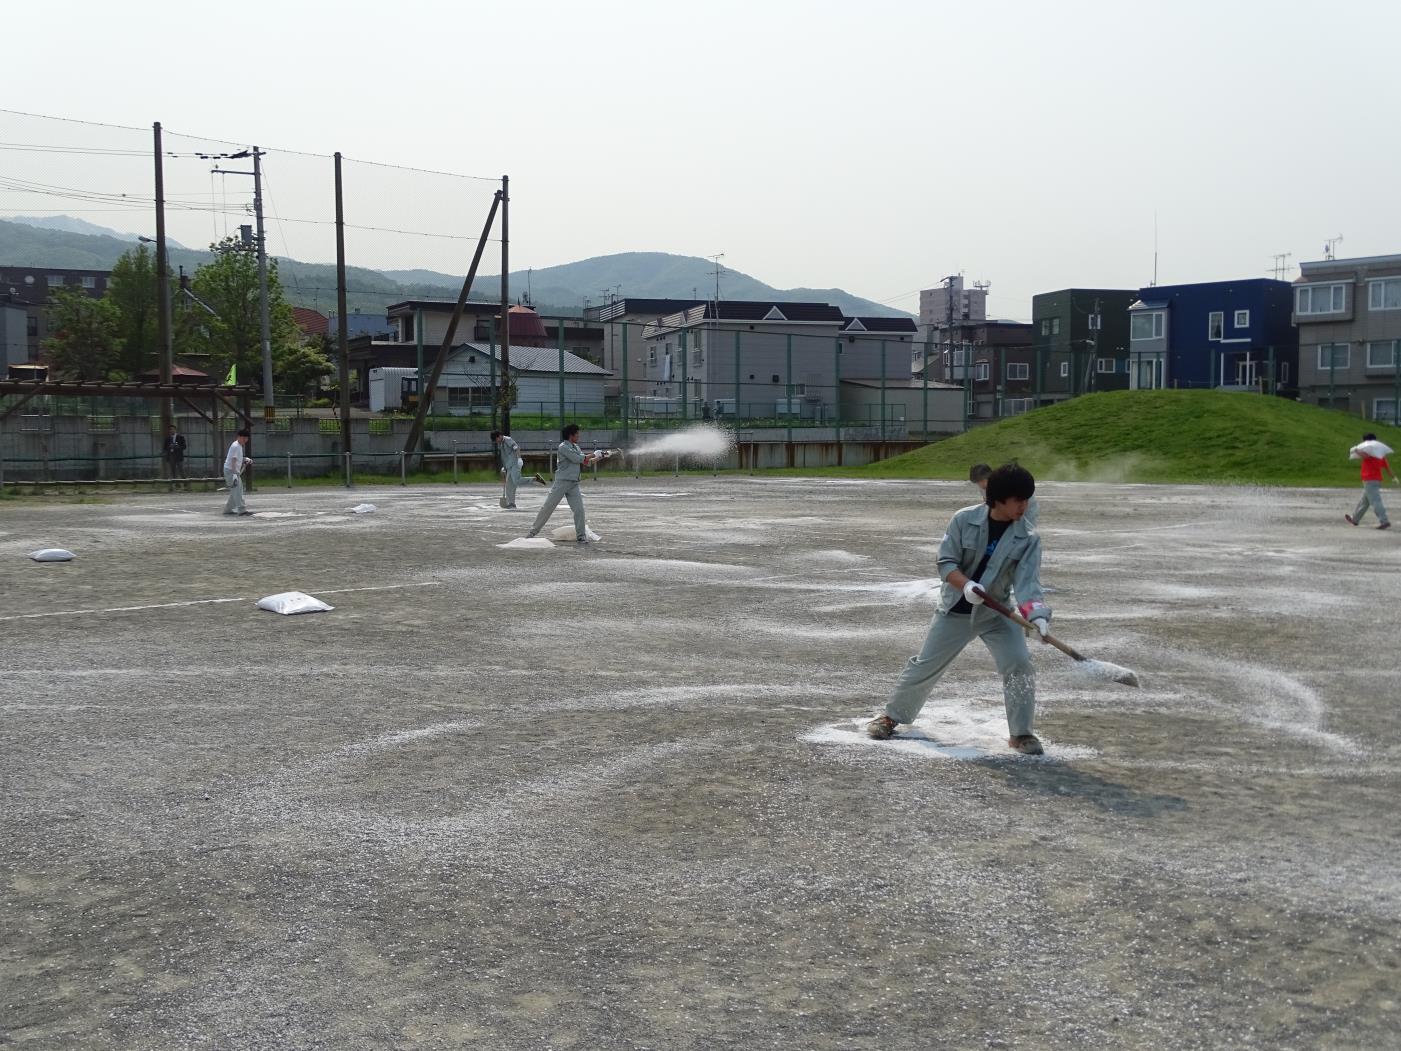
x=874, y=146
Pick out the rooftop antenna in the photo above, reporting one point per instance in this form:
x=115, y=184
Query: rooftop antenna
x=1281, y=266
x=1330, y=247
x=1155, y=247
x=718, y=271
x=528, y=301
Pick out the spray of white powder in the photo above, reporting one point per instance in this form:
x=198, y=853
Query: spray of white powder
x=702, y=442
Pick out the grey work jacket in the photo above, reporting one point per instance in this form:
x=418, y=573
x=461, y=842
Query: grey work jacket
x=510, y=453
x=1014, y=566
x=571, y=458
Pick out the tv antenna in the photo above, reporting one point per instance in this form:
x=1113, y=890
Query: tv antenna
x=1330, y=247
x=718, y=272
x=1281, y=266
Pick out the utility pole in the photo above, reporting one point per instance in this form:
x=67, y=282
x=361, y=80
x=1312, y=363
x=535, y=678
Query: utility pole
x=269, y=402
x=342, y=322
x=163, y=292
x=505, y=304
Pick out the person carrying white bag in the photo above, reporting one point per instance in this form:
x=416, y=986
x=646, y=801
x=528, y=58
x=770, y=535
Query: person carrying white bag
x=1373, y=455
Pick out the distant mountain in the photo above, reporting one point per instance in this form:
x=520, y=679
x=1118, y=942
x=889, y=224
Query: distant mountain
x=650, y=275
x=71, y=225
x=554, y=290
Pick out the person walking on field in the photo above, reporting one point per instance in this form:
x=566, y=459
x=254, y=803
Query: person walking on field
x=234, y=463
x=511, y=464
x=1373, y=455
x=990, y=547
x=566, y=486
x=175, y=446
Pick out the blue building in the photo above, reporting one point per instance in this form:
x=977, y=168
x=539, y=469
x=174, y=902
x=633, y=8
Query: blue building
x=1238, y=335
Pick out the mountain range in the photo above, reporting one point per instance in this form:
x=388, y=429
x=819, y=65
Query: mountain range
x=63, y=242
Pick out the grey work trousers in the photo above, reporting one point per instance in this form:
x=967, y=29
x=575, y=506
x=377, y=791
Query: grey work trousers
x=562, y=490
x=948, y=635
x=234, y=482
x=1371, y=497
x=512, y=483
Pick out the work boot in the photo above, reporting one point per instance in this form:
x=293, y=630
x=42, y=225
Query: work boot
x=539, y=480
x=1027, y=744
x=1384, y=525
x=1349, y=520
x=881, y=728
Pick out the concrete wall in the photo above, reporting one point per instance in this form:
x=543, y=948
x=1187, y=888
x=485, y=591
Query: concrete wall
x=116, y=447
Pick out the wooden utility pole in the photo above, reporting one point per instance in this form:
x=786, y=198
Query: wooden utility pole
x=416, y=431
x=505, y=198
x=163, y=294
x=342, y=322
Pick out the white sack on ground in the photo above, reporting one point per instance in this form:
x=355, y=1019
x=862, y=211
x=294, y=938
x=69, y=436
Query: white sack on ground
x=362, y=509
x=52, y=554
x=566, y=532
x=528, y=543
x=1372, y=448
x=289, y=602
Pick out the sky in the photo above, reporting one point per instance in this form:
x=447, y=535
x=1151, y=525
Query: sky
x=875, y=147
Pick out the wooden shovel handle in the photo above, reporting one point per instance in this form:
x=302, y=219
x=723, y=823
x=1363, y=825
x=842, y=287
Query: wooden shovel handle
x=1017, y=618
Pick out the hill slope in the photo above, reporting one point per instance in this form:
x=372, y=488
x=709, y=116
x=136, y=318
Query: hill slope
x=1159, y=436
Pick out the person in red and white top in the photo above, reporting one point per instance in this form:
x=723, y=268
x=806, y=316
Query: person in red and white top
x=1373, y=455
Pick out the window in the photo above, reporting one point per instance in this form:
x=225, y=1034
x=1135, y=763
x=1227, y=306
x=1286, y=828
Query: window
x=1104, y=365
x=652, y=357
x=1384, y=294
x=800, y=388
x=960, y=356
x=982, y=371
x=1284, y=372
x=56, y=279
x=481, y=332
x=89, y=281
x=1215, y=321
x=1381, y=355
x=1146, y=325
x=1241, y=320
x=1094, y=322
x=1016, y=406
x=1064, y=369
x=1055, y=326
x=1333, y=355
x=1045, y=326
x=1384, y=410
x=1320, y=299
x=698, y=356
x=1018, y=370
x=775, y=377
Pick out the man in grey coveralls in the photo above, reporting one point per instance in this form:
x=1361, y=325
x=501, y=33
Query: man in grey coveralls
x=511, y=464
x=566, y=486
x=988, y=546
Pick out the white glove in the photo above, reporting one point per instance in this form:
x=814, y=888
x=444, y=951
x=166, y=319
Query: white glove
x=970, y=592
x=1043, y=627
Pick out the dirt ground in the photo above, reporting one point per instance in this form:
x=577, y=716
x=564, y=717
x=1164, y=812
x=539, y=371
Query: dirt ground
x=610, y=797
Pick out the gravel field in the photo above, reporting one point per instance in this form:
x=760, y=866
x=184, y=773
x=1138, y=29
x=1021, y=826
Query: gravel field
x=611, y=797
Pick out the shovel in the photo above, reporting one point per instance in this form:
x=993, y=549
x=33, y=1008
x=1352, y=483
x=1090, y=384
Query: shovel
x=1100, y=669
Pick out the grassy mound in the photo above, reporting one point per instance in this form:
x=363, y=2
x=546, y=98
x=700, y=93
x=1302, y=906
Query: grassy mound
x=1159, y=436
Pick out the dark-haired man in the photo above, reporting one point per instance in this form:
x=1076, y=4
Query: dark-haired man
x=987, y=546
x=566, y=486
x=511, y=464
x=979, y=473
x=234, y=463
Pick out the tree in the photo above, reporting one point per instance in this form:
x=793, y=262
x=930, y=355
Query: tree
x=233, y=335
x=296, y=369
x=86, y=343
x=132, y=288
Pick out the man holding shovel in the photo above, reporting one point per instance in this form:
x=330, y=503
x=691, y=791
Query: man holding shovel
x=511, y=464
x=987, y=547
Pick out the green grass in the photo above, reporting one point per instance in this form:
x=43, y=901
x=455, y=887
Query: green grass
x=1167, y=436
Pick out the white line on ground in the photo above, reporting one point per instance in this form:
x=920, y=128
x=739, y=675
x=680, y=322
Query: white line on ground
x=201, y=602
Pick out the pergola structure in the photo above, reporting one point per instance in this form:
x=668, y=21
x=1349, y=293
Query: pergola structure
x=237, y=400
